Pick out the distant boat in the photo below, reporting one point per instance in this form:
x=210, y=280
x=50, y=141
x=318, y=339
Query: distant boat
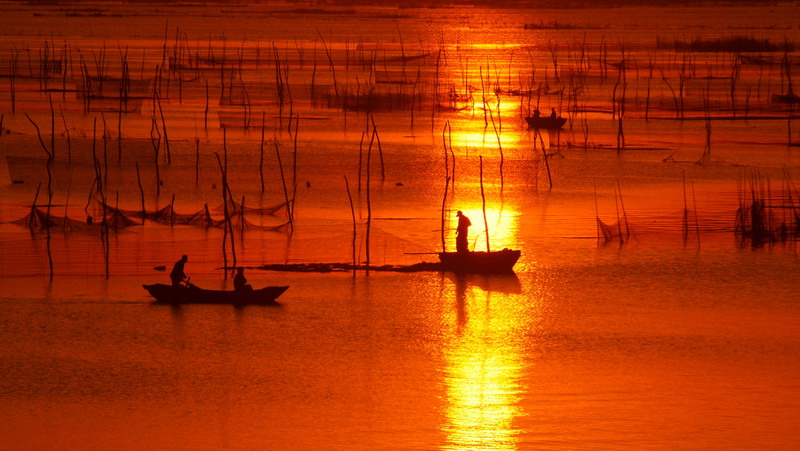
x=550, y=123
x=496, y=262
x=167, y=294
x=786, y=98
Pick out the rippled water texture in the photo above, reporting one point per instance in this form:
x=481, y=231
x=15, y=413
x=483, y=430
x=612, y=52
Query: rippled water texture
x=645, y=313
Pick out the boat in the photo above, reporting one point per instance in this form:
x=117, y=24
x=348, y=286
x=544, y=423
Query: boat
x=167, y=294
x=549, y=123
x=790, y=98
x=495, y=262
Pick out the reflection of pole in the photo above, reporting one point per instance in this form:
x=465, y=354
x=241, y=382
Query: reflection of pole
x=483, y=206
x=546, y=161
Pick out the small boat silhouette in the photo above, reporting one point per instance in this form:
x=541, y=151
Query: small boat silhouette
x=168, y=294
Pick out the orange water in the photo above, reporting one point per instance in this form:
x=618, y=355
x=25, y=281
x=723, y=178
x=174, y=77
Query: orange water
x=658, y=342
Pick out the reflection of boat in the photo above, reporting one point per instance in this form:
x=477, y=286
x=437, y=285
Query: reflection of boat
x=167, y=294
x=480, y=262
x=552, y=123
x=506, y=283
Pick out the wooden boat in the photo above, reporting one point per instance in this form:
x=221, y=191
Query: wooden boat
x=495, y=262
x=786, y=98
x=167, y=294
x=550, y=123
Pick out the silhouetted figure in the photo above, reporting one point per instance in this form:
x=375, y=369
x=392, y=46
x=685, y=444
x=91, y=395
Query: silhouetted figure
x=553, y=114
x=240, y=281
x=462, y=231
x=537, y=113
x=177, y=275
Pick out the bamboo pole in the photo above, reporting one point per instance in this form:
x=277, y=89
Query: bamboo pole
x=380, y=148
x=141, y=191
x=225, y=220
x=196, y=161
x=105, y=149
x=294, y=166
x=696, y=219
x=353, y=215
x=155, y=140
x=483, y=206
x=164, y=128
x=546, y=161
x=361, y=158
x=596, y=214
x=205, y=111
x=499, y=146
x=261, y=152
x=444, y=217
x=48, y=166
x=369, y=201
x=283, y=179
x=226, y=188
x=66, y=130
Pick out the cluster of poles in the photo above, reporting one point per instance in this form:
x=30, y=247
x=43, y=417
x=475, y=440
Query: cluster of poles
x=368, y=78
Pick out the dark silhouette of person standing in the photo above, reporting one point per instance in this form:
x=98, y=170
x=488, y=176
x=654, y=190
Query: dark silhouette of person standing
x=553, y=113
x=461, y=232
x=177, y=275
x=240, y=281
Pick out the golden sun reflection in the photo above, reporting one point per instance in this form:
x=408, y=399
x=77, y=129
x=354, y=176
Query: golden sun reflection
x=483, y=370
x=483, y=141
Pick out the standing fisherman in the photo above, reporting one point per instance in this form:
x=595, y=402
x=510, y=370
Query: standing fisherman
x=461, y=232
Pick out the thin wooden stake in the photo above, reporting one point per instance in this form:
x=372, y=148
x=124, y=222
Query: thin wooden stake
x=141, y=191
x=483, y=206
x=353, y=214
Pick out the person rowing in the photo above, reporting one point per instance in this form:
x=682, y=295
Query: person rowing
x=240, y=281
x=177, y=275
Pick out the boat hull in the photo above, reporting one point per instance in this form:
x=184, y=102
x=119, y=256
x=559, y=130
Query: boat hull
x=550, y=123
x=497, y=262
x=167, y=294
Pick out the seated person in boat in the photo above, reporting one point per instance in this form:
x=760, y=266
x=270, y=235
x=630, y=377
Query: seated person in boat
x=462, y=244
x=240, y=281
x=177, y=275
x=536, y=113
x=553, y=114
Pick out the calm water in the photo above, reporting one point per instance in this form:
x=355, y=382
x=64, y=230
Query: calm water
x=659, y=343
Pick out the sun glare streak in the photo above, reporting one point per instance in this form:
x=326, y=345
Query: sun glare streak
x=483, y=371
x=484, y=141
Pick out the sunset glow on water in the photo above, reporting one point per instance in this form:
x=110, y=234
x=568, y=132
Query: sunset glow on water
x=653, y=305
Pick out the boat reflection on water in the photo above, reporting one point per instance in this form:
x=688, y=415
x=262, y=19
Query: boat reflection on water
x=483, y=365
x=490, y=283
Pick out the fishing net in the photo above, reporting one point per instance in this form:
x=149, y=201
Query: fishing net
x=118, y=220
x=201, y=218
x=239, y=222
x=236, y=207
x=619, y=230
x=37, y=220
